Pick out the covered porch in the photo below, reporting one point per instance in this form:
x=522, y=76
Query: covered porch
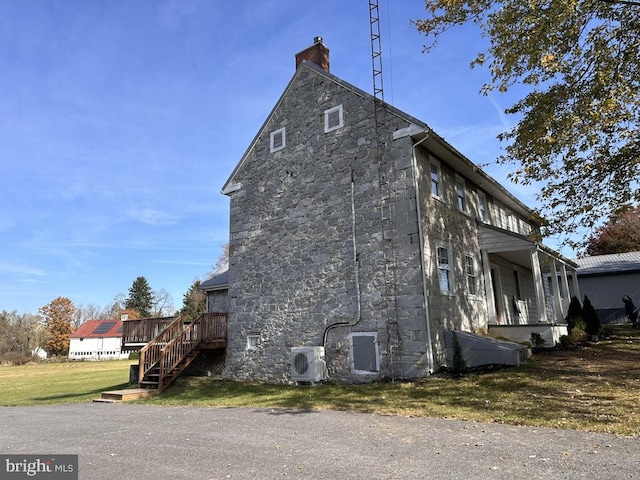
x=526, y=286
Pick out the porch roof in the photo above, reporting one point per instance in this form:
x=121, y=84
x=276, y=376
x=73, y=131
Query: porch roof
x=515, y=247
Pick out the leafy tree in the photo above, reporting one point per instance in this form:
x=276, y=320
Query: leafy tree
x=577, y=131
x=621, y=234
x=194, y=302
x=140, y=297
x=57, y=318
x=590, y=317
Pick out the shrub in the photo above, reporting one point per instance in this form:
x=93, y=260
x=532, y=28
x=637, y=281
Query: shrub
x=536, y=340
x=134, y=356
x=579, y=336
x=592, y=326
x=565, y=342
x=574, y=314
x=14, y=358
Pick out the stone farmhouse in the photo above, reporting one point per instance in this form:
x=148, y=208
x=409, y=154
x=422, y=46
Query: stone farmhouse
x=360, y=234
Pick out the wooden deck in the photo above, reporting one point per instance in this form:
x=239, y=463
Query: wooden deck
x=114, y=396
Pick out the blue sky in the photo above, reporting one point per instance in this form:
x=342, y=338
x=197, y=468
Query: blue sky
x=120, y=121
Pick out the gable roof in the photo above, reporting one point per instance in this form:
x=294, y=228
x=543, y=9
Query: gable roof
x=418, y=130
x=609, y=264
x=219, y=280
x=99, y=329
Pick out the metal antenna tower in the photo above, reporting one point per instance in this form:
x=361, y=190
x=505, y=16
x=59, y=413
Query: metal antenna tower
x=376, y=50
x=387, y=196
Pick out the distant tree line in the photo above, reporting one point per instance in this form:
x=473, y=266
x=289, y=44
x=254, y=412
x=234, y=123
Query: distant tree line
x=21, y=335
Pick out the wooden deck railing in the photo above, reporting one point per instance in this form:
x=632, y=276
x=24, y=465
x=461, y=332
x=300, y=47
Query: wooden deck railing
x=151, y=352
x=208, y=329
x=136, y=333
x=177, y=341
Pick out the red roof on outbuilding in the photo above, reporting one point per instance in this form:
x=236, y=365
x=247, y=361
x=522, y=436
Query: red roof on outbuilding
x=99, y=329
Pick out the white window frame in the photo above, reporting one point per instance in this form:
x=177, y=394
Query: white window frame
x=517, y=283
x=253, y=341
x=437, y=183
x=448, y=269
x=483, y=212
x=327, y=115
x=281, y=131
x=461, y=194
x=472, y=277
x=377, y=352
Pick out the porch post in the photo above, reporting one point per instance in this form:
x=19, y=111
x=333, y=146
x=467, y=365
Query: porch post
x=539, y=286
x=576, y=285
x=565, y=288
x=556, y=292
x=488, y=288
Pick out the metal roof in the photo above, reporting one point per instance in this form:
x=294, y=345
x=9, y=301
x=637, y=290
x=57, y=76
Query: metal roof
x=219, y=280
x=609, y=264
x=99, y=329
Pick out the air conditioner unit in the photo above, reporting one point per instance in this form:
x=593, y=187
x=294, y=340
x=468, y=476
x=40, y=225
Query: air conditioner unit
x=307, y=364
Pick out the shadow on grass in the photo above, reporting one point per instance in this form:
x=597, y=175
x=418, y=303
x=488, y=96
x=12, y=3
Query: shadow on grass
x=75, y=395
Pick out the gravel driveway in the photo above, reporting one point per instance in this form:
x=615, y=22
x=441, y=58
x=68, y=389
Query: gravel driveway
x=120, y=441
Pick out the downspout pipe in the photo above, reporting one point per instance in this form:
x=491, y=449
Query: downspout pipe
x=356, y=268
x=414, y=161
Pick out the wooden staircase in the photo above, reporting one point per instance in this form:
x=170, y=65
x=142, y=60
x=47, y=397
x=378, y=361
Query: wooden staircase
x=164, y=358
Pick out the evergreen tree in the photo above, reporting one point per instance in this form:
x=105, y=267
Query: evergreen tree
x=194, y=302
x=140, y=297
x=574, y=315
x=590, y=317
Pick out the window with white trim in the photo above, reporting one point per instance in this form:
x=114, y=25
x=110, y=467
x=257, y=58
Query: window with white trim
x=364, y=352
x=278, y=139
x=436, y=179
x=472, y=275
x=461, y=198
x=444, y=270
x=253, y=341
x=333, y=119
x=482, y=208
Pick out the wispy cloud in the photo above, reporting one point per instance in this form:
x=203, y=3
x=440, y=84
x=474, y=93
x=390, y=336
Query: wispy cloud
x=151, y=216
x=22, y=270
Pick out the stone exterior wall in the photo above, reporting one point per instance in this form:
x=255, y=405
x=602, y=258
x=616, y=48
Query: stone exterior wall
x=443, y=224
x=292, y=272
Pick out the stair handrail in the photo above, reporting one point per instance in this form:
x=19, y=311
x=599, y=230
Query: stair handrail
x=207, y=328
x=150, y=354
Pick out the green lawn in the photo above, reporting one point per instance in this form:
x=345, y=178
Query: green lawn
x=594, y=388
x=68, y=382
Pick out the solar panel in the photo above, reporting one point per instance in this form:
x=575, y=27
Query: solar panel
x=120, y=329
x=104, y=327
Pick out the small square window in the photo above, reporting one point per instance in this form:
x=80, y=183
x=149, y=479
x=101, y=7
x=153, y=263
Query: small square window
x=333, y=119
x=278, y=140
x=253, y=341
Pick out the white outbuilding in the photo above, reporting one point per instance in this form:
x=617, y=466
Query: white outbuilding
x=97, y=340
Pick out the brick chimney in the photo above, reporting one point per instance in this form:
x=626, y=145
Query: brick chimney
x=316, y=53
